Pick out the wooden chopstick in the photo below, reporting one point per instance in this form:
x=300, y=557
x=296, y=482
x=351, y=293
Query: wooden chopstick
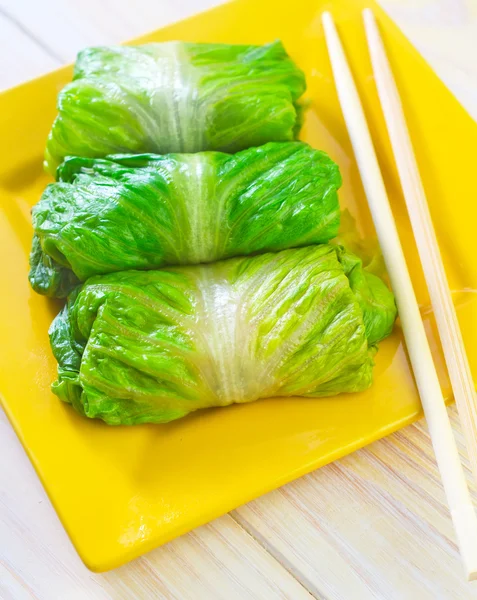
x=447, y=455
x=428, y=248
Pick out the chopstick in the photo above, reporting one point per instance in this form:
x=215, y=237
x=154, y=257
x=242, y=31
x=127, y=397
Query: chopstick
x=447, y=455
x=428, y=248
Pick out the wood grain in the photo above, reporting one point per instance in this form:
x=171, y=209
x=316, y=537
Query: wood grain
x=25, y=55
x=373, y=525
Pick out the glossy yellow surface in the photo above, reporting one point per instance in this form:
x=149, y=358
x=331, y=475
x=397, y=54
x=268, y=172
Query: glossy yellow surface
x=122, y=491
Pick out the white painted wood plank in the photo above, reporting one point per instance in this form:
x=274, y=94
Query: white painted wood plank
x=66, y=27
x=214, y=561
x=218, y=561
x=373, y=525
x=21, y=57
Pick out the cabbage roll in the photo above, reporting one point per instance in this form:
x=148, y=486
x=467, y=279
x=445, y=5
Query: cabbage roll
x=145, y=211
x=153, y=346
x=176, y=97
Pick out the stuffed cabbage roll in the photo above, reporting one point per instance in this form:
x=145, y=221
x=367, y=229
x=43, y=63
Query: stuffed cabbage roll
x=144, y=211
x=176, y=97
x=152, y=346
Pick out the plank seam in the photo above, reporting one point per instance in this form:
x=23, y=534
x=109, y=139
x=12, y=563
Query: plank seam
x=21, y=27
x=305, y=583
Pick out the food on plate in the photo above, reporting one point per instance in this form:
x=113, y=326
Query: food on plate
x=184, y=154
x=176, y=97
x=152, y=346
x=145, y=211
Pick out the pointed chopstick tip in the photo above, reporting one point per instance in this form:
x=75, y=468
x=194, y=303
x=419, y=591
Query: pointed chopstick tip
x=368, y=15
x=370, y=25
x=327, y=19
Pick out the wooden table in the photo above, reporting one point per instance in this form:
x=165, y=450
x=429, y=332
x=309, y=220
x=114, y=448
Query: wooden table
x=373, y=525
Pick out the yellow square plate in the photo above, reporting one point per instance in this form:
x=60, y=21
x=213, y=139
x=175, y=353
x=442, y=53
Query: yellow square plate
x=122, y=491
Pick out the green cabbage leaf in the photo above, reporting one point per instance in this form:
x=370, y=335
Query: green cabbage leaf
x=153, y=346
x=146, y=211
x=176, y=97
